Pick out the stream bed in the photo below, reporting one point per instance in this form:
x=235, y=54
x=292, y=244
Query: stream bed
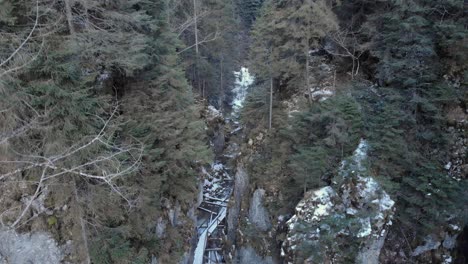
x=218, y=183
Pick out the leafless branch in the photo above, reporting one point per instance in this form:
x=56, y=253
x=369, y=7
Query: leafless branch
x=8, y=71
x=111, y=163
x=210, y=37
x=3, y=63
x=342, y=39
x=188, y=23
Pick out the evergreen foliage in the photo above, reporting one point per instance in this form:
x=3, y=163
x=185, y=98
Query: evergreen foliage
x=408, y=127
x=414, y=52
x=68, y=66
x=122, y=56
x=283, y=36
x=248, y=10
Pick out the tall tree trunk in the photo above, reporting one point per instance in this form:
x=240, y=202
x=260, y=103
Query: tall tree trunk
x=334, y=79
x=195, y=25
x=271, y=103
x=307, y=75
x=69, y=15
x=221, y=88
x=86, y=16
x=305, y=186
x=84, y=236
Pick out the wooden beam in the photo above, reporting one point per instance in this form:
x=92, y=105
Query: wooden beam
x=223, y=205
x=216, y=199
x=213, y=249
x=206, y=210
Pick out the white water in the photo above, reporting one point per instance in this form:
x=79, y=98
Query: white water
x=218, y=189
x=243, y=81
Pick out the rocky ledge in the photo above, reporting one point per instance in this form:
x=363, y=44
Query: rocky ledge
x=345, y=222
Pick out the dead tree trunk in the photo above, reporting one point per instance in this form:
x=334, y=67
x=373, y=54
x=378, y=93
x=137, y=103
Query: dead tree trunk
x=307, y=75
x=271, y=103
x=69, y=16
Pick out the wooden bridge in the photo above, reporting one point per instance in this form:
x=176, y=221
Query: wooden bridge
x=211, y=229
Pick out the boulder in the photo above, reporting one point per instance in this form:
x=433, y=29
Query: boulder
x=28, y=248
x=352, y=215
x=249, y=255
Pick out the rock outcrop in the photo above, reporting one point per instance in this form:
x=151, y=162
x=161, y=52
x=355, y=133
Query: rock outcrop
x=249, y=255
x=28, y=248
x=347, y=220
x=240, y=189
x=258, y=215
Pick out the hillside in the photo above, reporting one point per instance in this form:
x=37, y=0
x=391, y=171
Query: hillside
x=243, y=131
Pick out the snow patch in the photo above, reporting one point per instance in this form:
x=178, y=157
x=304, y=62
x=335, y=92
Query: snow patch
x=212, y=113
x=446, y=259
x=366, y=228
x=322, y=94
x=324, y=196
x=448, y=166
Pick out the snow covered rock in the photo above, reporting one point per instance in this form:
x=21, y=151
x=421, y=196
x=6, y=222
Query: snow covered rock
x=212, y=113
x=430, y=244
x=353, y=215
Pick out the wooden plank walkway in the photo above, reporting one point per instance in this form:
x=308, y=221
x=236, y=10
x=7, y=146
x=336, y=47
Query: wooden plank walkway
x=218, y=212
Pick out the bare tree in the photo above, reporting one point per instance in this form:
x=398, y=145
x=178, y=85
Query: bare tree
x=107, y=165
x=208, y=38
x=69, y=14
x=195, y=26
x=347, y=41
x=6, y=65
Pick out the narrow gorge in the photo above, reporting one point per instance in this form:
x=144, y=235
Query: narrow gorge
x=240, y=131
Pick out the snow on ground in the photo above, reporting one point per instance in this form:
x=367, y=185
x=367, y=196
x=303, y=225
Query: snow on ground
x=322, y=94
x=366, y=228
x=214, y=111
x=323, y=208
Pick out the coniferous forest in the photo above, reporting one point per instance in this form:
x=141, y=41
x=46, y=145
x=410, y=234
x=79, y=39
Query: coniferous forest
x=233, y=131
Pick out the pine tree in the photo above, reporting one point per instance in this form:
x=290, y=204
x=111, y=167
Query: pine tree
x=78, y=70
x=284, y=35
x=308, y=166
x=407, y=130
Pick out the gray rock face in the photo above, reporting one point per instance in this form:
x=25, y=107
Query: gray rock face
x=28, y=248
x=248, y=255
x=200, y=193
x=241, y=183
x=354, y=214
x=219, y=140
x=430, y=244
x=258, y=215
x=369, y=254
x=240, y=189
x=161, y=228
x=450, y=241
x=174, y=214
x=185, y=259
